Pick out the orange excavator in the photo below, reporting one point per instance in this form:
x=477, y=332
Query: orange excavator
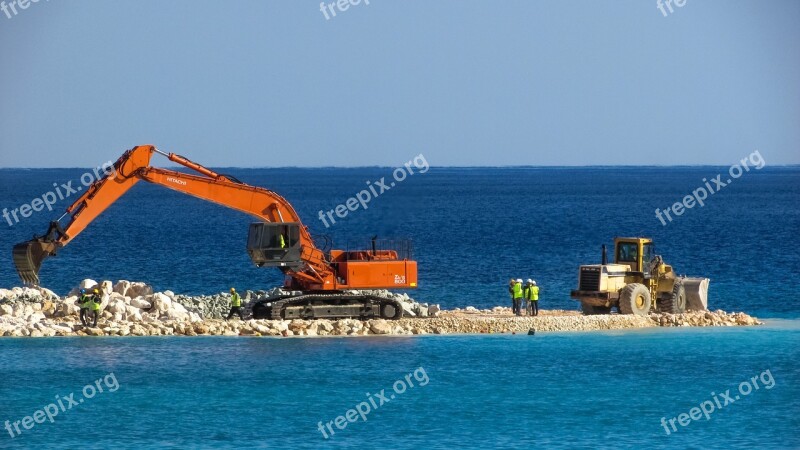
x=321, y=281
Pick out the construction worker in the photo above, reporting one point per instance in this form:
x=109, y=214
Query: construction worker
x=517, y=297
x=526, y=301
x=95, y=302
x=236, y=305
x=85, y=304
x=511, y=283
x=532, y=295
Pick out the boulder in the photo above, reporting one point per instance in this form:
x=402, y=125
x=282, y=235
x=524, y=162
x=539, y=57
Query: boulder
x=85, y=284
x=141, y=303
x=48, y=294
x=122, y=287
x=380, y=326
x=106, y=287
x=408, y=309
x=116, y=306
x=94, y=332
x=139, y=289
x=161, y=302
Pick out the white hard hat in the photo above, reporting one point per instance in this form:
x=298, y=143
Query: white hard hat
x=533, y=282
x=519, y=280
x=529, y=281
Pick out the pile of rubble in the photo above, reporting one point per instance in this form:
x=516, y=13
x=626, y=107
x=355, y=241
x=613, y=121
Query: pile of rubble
x=133, y=308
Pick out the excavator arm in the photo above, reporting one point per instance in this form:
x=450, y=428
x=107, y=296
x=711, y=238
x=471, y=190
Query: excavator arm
x=134, y=166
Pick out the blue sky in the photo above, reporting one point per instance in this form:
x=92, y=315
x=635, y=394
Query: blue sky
x=467, y=83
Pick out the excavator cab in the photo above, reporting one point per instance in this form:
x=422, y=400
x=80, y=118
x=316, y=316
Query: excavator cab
x=275, y=244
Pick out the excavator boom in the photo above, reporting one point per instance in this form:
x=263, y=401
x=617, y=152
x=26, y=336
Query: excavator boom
x=279, y=239
x=134, y=166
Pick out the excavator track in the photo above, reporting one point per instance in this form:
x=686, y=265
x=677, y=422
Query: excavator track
x=334, y=306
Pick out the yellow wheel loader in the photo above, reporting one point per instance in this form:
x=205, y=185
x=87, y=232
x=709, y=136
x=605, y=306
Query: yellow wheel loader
x=638, y=282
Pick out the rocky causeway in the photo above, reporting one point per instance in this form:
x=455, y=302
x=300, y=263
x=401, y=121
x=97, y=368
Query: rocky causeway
x=134, y=309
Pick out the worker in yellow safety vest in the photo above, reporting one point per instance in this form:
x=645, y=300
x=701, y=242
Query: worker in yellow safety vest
x=531, y=294
x=236, y=305
x=95, y=302
x=85, y=303
x=516, y=296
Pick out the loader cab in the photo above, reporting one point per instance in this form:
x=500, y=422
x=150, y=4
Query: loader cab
x=635, y=253
x=275, y=244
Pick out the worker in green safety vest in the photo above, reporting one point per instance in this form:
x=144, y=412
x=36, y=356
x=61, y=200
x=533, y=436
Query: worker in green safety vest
x=531, y=294
x=516, y=296
x=236, y=305
x=85, y=303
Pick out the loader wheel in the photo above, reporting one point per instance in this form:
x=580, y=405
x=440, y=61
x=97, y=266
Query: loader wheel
x=590, y=310
x=676, y=302
x=634, y=299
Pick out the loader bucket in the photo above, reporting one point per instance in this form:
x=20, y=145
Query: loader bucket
x=696, y=293
x=28, y=257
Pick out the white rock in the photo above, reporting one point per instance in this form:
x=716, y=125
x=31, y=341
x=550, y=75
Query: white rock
x=122, y=287
x=161, y=302
x=408, y=309
x=380, y=326
x=178, y=308
x=141, y=303
x=36, y=317
x=6, y=310
x=139, y=289
x=116, y=306
x=172, y=314
x=133, y=314
x=107, y=287
x=85, y=284
x=61, y=329
x=48, y=294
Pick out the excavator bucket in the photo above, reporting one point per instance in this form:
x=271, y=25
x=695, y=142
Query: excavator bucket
x=696, y=293
x=28, y=257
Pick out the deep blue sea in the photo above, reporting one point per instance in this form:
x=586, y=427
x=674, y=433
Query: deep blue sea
x=472, y=229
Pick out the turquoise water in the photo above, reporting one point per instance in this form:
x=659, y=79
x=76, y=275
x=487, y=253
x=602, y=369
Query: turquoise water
x=599, y=389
